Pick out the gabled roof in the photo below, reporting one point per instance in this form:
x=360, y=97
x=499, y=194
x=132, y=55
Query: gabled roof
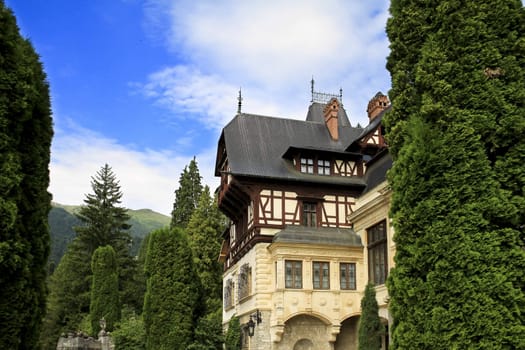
x=370, y=127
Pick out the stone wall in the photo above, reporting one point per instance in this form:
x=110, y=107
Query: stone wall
x=81, y=341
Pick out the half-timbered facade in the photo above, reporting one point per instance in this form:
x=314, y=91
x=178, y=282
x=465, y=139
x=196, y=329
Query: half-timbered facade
x=308, y=204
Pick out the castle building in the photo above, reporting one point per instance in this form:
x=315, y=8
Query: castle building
x=308, y=203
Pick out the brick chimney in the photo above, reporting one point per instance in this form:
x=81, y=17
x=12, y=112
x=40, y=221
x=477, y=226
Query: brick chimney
x=377, y=104
x=330, y=118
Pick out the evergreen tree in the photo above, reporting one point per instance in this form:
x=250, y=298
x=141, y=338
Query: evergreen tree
x=25, y=142
x=205, y=238
x=104, y=221
x=130, y=333
x=456, y=212
x=370, y=327
x=69, y=296
x=232, y=339
x=173, y=291
x=187, y=195
x=105, y=301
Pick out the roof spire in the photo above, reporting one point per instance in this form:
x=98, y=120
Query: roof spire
x=239, y=104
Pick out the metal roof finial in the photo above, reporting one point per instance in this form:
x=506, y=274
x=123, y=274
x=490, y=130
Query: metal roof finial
x=239, y=105
x=312, y=82
x=341, y=95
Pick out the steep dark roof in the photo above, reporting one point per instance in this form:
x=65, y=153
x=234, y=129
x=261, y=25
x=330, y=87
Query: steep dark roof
x=256, y=144
x=261, y=146
x=318, y=235
x=377, y=169
x=315, y=114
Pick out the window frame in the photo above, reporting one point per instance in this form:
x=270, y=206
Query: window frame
x=309, y=214
x=377, y=253
x=307, y=165
x=323, y=282
x=350, y=283
x=325, y=165
x=295, y=279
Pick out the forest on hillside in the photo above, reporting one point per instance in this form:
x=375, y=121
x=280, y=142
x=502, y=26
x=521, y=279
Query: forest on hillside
x=62, y=221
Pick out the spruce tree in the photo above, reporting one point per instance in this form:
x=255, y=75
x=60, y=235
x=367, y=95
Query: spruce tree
x=370, y=327
x=105, y=301
x=105, y=222
x=173, y=291
x=187, y=195
x=25, y=142
x=456, y=211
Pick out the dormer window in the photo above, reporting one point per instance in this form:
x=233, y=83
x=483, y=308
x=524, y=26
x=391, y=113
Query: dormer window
x=323, y=167
x=307, y=165
x=315, y=166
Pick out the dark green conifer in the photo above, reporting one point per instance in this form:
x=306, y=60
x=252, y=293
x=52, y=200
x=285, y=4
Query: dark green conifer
x=370, y=327
x=205, y=237
x=105, y=300
x=173, y=291
x=25, y=142
x=455, y=124
x=187, y=195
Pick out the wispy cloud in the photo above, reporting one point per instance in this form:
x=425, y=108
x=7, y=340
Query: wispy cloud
x=148, y=178
x=271, y=49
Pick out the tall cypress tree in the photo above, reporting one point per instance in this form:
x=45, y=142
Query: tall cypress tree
x=25, y=142
x=187, y=195
x=173, y=291
x=105, y=301
x=456, y=211
x=370, y=327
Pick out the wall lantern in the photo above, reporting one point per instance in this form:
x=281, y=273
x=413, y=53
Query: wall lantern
x=251, y=323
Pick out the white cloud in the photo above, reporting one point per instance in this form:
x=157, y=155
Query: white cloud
x=271, y=49
x=147, y=178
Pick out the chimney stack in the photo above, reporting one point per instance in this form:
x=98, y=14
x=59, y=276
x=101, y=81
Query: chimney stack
x=377, y=104
x=330, y=118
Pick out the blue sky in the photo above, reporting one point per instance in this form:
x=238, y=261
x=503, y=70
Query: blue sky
x=145, y=85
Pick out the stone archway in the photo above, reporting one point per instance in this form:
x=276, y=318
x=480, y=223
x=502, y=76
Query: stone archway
x=347, y=337
x=304, y=344
x=305, y=332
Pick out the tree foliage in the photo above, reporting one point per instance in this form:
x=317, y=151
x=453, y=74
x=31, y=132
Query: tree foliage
x=205, y=236
x=69, y=297
x=130, y=333
x=25, y=142
x=104, y=222
x=105, y=301
x=458, y=113
x=173, y=291
x=187, y=195
x=370, y=327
